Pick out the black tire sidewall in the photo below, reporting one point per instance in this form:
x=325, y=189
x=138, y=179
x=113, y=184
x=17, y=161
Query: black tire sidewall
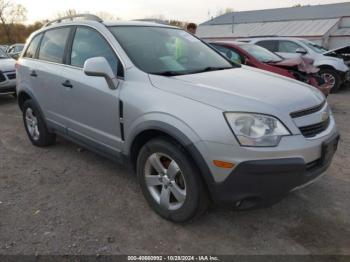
x=194, y=186
x=45, y=137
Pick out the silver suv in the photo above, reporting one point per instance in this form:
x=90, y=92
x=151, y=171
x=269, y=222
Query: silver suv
x=195, y=127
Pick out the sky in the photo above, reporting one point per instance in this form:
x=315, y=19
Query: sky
x=197, y=11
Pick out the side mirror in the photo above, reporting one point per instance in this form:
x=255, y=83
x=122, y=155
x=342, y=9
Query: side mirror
x=301, y=51
x=98, y=66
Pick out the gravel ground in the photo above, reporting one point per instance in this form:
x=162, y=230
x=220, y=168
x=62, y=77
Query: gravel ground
x=63, y=200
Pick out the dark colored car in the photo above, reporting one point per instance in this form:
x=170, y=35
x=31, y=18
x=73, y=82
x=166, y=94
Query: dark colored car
x=259, y=57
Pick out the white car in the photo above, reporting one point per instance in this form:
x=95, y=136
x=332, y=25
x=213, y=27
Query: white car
x=7, y=74
x=332, y=69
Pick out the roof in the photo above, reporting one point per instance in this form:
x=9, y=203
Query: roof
x=301, y=28
x=284, y=14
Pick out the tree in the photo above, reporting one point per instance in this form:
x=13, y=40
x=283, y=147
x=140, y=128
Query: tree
x=224, y=11
x=107, y=16
x=68, y=12
x=10, y=14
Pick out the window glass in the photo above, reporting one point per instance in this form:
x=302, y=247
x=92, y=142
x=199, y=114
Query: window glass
x=317, y=48
x=229, y=53
x=53, y=45
x=33, y=46
x=89, y=43
x=268, y=44
x=167, y=51
x=261, y=54
x=287, y=46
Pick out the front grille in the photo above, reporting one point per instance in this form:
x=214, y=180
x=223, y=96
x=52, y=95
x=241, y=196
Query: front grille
x=11, y=76
x=2, y=77
x=315, y=129
x=308, y=111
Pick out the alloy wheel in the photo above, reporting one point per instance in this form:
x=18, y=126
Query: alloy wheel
x=32, y=124
x=165, y=181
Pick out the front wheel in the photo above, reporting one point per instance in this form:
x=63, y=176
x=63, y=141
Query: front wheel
x=331, y=77
x=170, y=182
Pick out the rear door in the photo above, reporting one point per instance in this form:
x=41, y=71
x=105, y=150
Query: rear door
x=47, y=74
x=91, y=108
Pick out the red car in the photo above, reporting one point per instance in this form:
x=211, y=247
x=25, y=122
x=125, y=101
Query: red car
x=259, y=57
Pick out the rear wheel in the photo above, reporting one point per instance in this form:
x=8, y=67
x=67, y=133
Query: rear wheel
x=170, y=182
x=35, y=126
x=332, y=77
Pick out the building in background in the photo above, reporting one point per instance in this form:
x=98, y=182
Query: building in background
x=327, y=25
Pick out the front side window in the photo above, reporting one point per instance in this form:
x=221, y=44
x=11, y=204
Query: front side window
x=231, y=54
x=89, y=43
x=261, y=54
x=288, y=47
x=167, y=51
x=33, y=46
x=53, y=45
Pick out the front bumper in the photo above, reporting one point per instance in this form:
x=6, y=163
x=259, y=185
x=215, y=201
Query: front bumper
x=260, y=183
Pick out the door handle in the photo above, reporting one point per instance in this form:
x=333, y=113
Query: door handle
x=33, y=74
x=67, y=83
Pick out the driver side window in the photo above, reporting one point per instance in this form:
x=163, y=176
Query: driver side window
x=88, y=43
x=287, y=46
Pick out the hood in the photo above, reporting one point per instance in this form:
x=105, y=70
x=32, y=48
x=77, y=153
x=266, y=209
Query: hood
x=302, y=63
x=242, y=89
x=7, y=64
x=342, y=53
x=340, y=50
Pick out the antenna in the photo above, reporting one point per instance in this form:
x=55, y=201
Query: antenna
x=233, y=23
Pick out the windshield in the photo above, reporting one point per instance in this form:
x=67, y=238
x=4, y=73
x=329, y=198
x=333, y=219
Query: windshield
x=261, y=54
x=167, y=51
x=3, y=54
x=317, y=48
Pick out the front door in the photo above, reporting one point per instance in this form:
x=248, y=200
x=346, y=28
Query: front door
x=91, y=107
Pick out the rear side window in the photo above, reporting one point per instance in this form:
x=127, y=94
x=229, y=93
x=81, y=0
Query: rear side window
x=269, y=45
x=33, y=46
x=53, y=45
x=287, y=46
x=89, y=43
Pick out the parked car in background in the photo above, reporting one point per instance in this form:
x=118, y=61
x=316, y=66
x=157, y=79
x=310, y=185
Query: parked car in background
x=15, y=50
x=4, y=47
x=7, y=74
x=194, y=126
x=333, y=69
x=259, y=57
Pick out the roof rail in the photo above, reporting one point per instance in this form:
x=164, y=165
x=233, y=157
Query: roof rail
x=71, y=17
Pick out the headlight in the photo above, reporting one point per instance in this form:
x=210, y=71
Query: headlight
x=256, y=130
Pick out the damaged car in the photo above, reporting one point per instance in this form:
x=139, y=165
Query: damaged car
x=332, y=69
x=252, y=55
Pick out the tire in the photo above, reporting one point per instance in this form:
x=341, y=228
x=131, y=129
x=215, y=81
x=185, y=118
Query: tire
x=333, y=74
x=35, y=126
x=188, y=180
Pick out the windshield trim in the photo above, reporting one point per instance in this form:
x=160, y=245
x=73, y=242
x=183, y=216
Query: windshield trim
x=184, y=72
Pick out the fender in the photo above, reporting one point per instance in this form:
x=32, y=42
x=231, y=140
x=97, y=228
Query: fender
x=337, y=65
x=180, y=132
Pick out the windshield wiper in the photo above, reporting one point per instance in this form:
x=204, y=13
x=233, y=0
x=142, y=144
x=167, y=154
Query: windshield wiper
x=167, y=73
x=211, y=68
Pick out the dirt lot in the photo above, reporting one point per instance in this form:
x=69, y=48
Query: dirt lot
x=62, y=200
